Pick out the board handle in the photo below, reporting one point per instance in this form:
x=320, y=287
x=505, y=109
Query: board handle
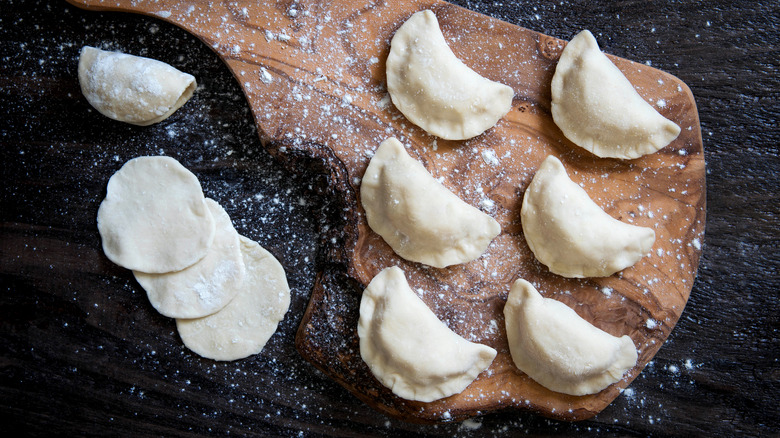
x=277, y=48
x=215, y=23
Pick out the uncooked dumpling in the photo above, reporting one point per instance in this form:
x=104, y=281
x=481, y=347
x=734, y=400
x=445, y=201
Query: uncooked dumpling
x=130, y=88
x=208, y=285
x=408, y=349
x=598, y=109
x=417, y=216
x=558, y=349
x=434, y=89
x=243, y=327
x=572, y=235
x=154, y=217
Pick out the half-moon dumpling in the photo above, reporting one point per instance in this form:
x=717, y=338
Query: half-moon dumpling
x=434, y=89
x=408, y=349
x=560, y=350
x=131, y=88
x=598, y=109
x=417, y=216
x=572, y=235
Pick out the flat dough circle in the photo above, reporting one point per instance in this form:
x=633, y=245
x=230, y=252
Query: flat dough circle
x=244, y=326
x=154, y=218
x=208, y=285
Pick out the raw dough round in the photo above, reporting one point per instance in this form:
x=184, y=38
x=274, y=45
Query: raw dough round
x=154, y=218
x=243, y=327
x=205, y=287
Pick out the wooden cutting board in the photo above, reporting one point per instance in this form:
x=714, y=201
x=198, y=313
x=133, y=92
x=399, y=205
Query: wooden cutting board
x=313, y=73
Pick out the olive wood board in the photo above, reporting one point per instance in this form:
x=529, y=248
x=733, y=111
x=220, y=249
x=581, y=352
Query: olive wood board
x=314, y=76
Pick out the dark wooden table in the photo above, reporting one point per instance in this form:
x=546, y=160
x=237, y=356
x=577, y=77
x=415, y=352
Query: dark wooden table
x=83, y=353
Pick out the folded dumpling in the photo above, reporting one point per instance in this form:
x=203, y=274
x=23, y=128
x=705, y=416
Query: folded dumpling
x=408, y=348
x=131, y=88
x=560, y=350
x=434, y=89
x=598, y=109
x=572, y=235
x=417, y=216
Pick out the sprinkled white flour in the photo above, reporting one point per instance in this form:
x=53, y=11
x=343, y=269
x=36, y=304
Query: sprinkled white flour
x=282, y=210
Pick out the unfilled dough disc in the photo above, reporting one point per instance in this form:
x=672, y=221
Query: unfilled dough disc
x=154, y=218
x=243, y=327
x=205, y=287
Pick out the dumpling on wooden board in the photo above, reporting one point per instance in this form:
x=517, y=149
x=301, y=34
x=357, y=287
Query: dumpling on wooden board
x=558, y=348
x=416, y=215
x=408, y=348
x=434, y=89
x=598, y=109
x=573, y=236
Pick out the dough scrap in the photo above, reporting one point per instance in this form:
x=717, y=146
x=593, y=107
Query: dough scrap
x=132, y=89
x=572, y=235
x=208, y=285
x=434, y=89
x=598, y=109
x=408, y=349
x=154, y=218
x=417, y=216
x=559, y=349
x=243, y=327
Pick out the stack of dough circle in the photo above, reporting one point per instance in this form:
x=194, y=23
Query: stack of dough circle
x=227, y=293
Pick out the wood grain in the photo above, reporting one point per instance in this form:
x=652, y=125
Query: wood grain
x=315, y=82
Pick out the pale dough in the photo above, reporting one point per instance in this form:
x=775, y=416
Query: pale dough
x=434, y=89
x=131, y=88
x=598, y=109
x=572, y=235
x=154, y=218
x=244, y=326
x=558, y=349
x=408, y=348
x=417, y=216
x=208, y=285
